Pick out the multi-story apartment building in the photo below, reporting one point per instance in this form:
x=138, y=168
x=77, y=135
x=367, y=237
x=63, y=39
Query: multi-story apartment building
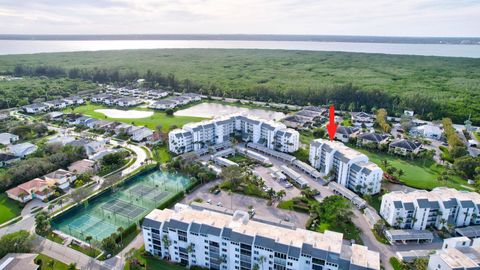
x=217, y=238
x=200, y=135
x=437, y=208
x=457, y=253
x=348, y=167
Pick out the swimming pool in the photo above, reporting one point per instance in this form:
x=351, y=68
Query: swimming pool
x=122, y=206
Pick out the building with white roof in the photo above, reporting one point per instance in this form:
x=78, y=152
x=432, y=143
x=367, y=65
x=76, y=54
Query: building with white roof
x=8, y=138
x=217, y=238
x=348, y=167
x=428, y=131
x=437, y=208
x=196, y=136
x=458, y=253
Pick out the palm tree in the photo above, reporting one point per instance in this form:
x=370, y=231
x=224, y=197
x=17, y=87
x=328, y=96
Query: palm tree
x=72, y=266
x=261, y=261
x=120, y=232
x=60, y=202
x=51, y=263
x=88, y=239
x=400, y=173
x=281, y=194
x=385, y=163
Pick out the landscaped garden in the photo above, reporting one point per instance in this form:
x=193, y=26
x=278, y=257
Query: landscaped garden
x=46, y=262
x=157, y=119
x=9, y=209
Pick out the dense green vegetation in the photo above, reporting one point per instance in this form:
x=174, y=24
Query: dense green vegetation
x=112, y=162
x=434, y=87
x=8, y=208
x=157, y=119
x=17, y=242
x=46, y=159
x=31, y=89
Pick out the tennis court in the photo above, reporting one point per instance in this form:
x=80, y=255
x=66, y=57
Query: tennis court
x=148, y=192
x=120, y=208
x=87, y=225
x=123, y=208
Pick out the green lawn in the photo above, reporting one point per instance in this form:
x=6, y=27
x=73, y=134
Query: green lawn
x=152, y=263
x=55, y=238
x=57, y=265
x=158, y=118
x=418, y=174
x=92, y=252
x=9, y=208
x=161, y=154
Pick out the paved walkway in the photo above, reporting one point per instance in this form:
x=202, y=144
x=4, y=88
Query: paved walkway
x=68, y=255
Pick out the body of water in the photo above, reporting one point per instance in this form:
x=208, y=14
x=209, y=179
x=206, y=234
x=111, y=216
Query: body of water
x=212, y=110
x=43, y=46
x=122, y=207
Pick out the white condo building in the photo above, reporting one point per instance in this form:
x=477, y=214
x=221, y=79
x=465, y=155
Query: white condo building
x=348, y=167
x=437, y=208
x=196, y=136
x=457, y=253
x=217, y=238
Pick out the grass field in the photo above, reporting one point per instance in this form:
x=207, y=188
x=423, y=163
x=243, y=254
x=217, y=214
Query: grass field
x=449, y=82
x=161, y=154
x=57, y=265
x=9, y=208
x=152, y=263
x=418, y=174
x=158, y=118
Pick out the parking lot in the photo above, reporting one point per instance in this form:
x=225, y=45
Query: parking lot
x=241, y=202
x=277, y=185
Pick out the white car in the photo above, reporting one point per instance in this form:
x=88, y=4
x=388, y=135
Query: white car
x=288, y=185
x=209, y=201
x=220, y=204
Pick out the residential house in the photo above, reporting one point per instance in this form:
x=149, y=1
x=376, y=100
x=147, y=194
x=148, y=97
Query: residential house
x=33, y=189
x=372, y=138
x=78, y=143
x=60, y=178
x=344, y=134
x=99, y=98
x=427, y=131
x=75, y=100
x=192, y=97
x=110, y=100
x=8, y=138
x=74, y=118
x=22, y=149
x=156, y=94
x=35, y=108
x=7, y=159
x=298, y=122
x=157, y=138
x=90, y=123
x=141, y=134
x=56, y=104
x=54, y=115
x=362, y=119
x=123, y=128
x=63, y=140
x=94, y=147
x=405, y=147
x=164, y=104
x=83, y=166
x=128, y=102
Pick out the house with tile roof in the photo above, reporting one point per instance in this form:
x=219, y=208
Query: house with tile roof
x=33, y=189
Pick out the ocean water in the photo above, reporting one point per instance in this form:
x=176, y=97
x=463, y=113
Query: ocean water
x=44, y=46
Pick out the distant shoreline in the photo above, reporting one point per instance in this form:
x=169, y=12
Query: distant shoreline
x=240, y=37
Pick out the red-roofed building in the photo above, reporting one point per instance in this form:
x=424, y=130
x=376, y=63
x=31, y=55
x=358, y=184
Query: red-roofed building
x=36, y=188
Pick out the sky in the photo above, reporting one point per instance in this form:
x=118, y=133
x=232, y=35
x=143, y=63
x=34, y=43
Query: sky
x=453, y=18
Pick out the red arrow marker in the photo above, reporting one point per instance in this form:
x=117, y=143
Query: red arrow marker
x=332, y=127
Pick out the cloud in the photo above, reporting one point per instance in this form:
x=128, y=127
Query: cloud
x=352, y=17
